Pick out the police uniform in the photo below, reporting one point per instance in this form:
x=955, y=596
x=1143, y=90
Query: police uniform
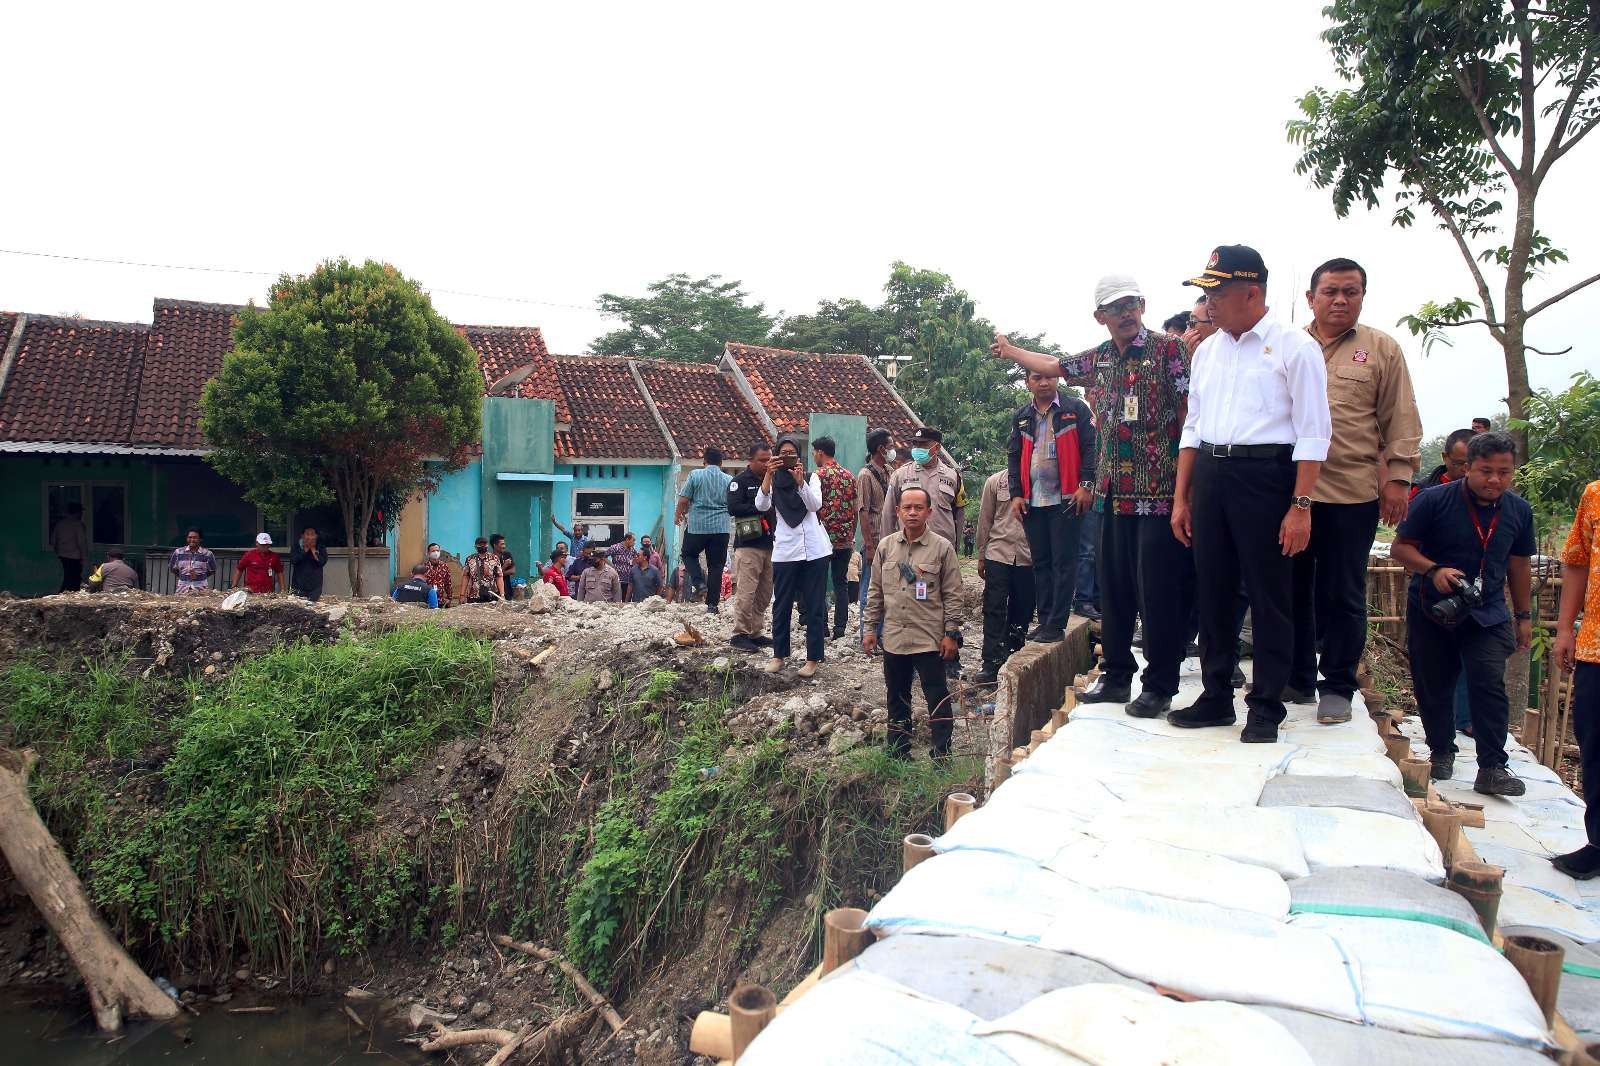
x=916, y=594
x=941, y=480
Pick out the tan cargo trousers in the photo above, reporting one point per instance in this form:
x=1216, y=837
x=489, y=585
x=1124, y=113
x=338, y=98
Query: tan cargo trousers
x=752, y=577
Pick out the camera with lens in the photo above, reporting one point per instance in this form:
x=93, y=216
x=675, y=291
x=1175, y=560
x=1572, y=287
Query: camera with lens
x=1454, y=608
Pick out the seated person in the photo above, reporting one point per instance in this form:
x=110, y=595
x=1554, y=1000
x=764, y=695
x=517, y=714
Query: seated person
x=416, y=588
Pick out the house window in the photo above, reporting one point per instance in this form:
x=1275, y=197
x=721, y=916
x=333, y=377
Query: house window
x=603, y=511
x=104, y=503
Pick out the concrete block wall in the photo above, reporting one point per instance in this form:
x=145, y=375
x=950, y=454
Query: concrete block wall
x=1032, y=684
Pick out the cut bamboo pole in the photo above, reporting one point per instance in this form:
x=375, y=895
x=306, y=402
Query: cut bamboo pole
x=1480, y=885
x=1037, y=737
x=1002, y=772
x=956, y=806
x=1414, y=772
x=917, y=847
x=1058, y=717
x=1443, y=826
x=1399, y=748
x=712, y=1035
x=1539, y=962
x=751, y=1009
x=844, y=936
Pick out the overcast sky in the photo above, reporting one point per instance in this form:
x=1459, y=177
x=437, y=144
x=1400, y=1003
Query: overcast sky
x=551, y=155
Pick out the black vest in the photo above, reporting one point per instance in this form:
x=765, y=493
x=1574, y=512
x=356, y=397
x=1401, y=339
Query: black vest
x=413, y=591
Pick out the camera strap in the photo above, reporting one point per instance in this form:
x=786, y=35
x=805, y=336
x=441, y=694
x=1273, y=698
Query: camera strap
x=1477, y=526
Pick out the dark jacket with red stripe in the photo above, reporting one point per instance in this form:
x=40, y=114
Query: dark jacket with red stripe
x=1075, y=445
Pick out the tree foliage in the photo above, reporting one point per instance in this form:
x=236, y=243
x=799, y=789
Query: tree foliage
x=1563, y=431
x=682, y=318
x=339, y=389
x=1466, y=106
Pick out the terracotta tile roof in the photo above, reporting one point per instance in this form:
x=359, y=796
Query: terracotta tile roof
x=701, y=406
x=609, y=416
x=187, y=343
x=790, y=385
x=8, y=320
x=502, y=349
x=73, y=380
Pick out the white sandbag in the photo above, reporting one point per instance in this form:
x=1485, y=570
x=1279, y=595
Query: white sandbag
x=1340, y=1043
x=975, y=893
x=1520, y=905
x=860, y=1019
x=1259, y=836
x=1420, y=978
x=1070, y=800
x=1343, y=764
x=1113, y=1025
x=1025, y=832
x=1206, y=951
x=1176, y=873
x=1335, y=838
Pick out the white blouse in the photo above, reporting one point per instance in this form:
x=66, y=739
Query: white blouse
x=808, y=540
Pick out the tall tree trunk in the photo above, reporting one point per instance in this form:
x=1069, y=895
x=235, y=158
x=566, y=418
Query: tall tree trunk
x=116, y=985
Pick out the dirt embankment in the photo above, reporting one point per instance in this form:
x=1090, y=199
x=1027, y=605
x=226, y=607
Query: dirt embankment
x=669, y=816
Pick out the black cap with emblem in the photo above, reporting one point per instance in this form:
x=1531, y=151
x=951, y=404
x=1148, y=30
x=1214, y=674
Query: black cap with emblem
x=1231, y=262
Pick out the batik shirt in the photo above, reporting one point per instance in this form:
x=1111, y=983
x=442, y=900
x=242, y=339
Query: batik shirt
x=1138, y=401
x=838, y=514
x=1583, y=547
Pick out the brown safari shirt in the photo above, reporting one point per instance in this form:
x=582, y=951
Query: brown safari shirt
x=911, y=625
x=1374, y=413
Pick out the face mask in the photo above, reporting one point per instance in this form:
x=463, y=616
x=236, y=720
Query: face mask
x=434, y=556
x=920, y=455
x=889, y=456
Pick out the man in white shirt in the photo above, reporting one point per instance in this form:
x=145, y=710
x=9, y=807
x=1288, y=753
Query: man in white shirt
x=1252, y=447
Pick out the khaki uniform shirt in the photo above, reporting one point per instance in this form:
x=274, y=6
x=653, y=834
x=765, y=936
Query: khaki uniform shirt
x=1000, y=535
x=596, y=585
x=911, y=625
x=1374, y=413
x=869, y=505
x=940, y=481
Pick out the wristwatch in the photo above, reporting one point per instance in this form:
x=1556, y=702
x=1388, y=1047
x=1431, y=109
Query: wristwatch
x=1086, y=484
x=1523, y=616
x=1302, y=502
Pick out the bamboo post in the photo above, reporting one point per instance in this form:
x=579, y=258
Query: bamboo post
x=956, y=806
x=844, y=936
x=1414, y=772
x=1443, y=827
x=1480, y=885
x=751, y=1007
x=1539, y=962
x=917, y=847
x=1375, y=700
x=712, y=1035
x=1058, y=717
x=1037, y=737
x=1399, y=748
x=1002, y=772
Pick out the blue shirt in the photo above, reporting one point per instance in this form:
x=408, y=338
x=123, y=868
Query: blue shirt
x=707, y=493
x=1438, y=521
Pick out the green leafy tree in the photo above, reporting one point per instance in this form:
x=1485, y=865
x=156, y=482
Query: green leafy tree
x=1463, y=105
x=844, y=325
x=682, y=318
x=340, y=389
x=1563, y=432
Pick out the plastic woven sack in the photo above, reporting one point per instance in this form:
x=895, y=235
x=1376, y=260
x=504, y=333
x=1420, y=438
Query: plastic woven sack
x=1373, y=893
x=1256, y=835
x=1333, y=838
x=1351, y=793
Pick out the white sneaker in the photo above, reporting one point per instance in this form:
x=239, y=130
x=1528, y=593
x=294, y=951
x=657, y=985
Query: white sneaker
x=808, y=670
x=773, y=666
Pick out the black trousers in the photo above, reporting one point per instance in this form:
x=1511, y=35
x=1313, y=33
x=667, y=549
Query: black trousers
x=839, y=570
x=1586, y=727
x=715, y=546
x=929, y=669
x=1438, y=657
x=1145, y=571
x=806, y=582
x=1238, y=507
x=71, y=574
x=1007, y=610
x=1330, y=596
x=1053, y=540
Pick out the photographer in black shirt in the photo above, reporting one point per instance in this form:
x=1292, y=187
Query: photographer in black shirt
x=1462, y=541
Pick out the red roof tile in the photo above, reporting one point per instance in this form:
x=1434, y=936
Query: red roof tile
x=502, y=349
x=791, y=385
x=701, y=406
x=73, y=380
x=187, y=343
x=609, y=416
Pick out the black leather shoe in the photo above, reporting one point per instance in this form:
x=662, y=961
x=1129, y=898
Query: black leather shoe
x=1148, y=705
x=985, y=677
x=1087, y=610
x=1259, y=733
x=1580, y=865
x=1444, y=767
x=1046, y=636
x=1238, y=678
x=1103, y=691
x=1499, y=781
x=1198, y=716
x=1290, y=694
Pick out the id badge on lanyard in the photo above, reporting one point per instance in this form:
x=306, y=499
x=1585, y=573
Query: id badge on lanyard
x=1477, y=527
x=920, y=590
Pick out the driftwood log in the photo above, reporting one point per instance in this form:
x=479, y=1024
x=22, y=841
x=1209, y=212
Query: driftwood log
x=601, y=1004
x=118, y=988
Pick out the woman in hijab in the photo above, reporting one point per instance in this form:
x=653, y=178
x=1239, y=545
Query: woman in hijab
x=801, y=554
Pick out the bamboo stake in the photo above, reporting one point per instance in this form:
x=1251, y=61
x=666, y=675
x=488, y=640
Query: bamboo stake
x=712, y=1035
x=1539, y=962
x=1399, y=748
x=1480, y=885
x=956, y=806
x=1058, y=717
x=1443, y=827
x=751, y=1008
x=916, y=848
x=1414, y=772
x=844, y=936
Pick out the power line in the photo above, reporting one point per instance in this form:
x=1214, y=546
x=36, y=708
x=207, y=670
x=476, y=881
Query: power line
x=269, y=274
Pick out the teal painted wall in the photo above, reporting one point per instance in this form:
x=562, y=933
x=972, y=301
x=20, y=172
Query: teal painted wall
x=455, y=511
x=849, y=433
x=27, y=565
x=518, y=436
x=649, y=500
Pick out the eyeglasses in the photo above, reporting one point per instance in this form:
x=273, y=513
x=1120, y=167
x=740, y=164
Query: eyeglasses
x=1121, y=307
